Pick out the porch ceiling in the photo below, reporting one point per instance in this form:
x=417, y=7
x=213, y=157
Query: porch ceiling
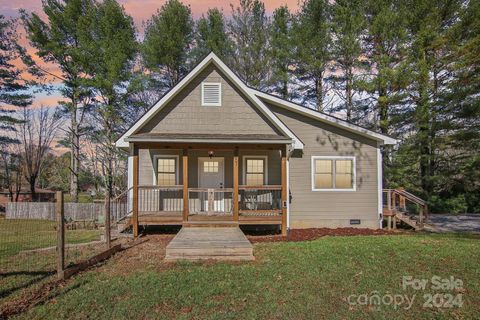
x=209, y=138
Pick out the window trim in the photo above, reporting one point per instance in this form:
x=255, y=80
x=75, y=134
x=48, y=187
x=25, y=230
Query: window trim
x=354, y=176
x=155, y=167
x=244, y=167
x=206, y=104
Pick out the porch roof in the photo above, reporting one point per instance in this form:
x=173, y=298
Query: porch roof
x=209, y=138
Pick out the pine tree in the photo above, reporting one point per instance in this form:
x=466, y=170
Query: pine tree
x=12, y=86
x=312, y=30
x=348, y=25
x=211, y=36
x=168, y=40
x=427, y=24
x=281, y=51
x=57, y=41
x=249, y=28
x=108, y=34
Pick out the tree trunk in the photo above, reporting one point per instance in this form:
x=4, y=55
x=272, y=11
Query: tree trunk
x=423, y=125
x=348, y=92
x=31, y=181
x=319, y=92
x=75, y=155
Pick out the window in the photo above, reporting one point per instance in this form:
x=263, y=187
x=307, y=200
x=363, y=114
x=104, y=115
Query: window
x=211, y=94
x=255, y=171
x=210, y=166
x=333, y=173
x=166, y=171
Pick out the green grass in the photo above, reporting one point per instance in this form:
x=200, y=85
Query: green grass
x=21, y=270
x=302, y=280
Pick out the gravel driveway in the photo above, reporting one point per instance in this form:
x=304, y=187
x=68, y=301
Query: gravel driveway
x=455, y=223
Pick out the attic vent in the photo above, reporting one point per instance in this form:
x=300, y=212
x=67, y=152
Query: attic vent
x=211, y=94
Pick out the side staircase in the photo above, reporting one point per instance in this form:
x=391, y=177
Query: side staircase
x=403, y=206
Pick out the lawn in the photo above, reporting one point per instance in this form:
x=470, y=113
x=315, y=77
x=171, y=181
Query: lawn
x=300, y=280
x=25, y=270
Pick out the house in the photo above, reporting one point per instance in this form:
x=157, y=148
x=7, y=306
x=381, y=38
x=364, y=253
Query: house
x=25, y=195
x=214, y=151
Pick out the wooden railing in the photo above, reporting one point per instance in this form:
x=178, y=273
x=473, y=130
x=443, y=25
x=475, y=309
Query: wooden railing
x=160, y=199
x=121, y=206
x=399, y=200
x=210, y=201
x=260, y=200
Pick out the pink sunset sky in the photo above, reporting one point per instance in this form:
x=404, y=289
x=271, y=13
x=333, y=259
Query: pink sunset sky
x=140, y=10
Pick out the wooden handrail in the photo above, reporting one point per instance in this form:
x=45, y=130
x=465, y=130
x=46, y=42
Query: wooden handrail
x=207, y=189
x=263, y=187
x=175, y=187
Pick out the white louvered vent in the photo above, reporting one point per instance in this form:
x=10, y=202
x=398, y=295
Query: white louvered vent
x=211, y=94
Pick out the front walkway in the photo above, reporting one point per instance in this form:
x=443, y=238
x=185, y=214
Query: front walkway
x=203, y=243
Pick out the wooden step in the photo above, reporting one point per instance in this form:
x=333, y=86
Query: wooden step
x=202, y=243
x=211, y=224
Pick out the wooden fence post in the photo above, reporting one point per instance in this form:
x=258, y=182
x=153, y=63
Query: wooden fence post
x=59, y=214
x=108, y=237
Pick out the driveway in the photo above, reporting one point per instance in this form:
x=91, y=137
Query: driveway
x=455, y=223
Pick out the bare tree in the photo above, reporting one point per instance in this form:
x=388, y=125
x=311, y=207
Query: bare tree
x=36, y=134
x=12, y=174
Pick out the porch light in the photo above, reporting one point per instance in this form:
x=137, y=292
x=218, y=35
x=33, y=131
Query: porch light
x=211, y=153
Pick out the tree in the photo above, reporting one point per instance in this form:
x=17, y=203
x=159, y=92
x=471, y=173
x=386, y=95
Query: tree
x=110, y=41
x=249, y=29
x=12, y=86
x=36, y=133
x=12, y=174
x=57, y=41
x=427, y=24
x=313, y=41
x=211, y=36
x=281, y=50
x=348, y=25
x=168, y=37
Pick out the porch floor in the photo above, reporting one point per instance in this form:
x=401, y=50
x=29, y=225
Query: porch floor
x=203, y=243
x=175, y=218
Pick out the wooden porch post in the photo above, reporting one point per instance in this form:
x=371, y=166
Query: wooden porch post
x=235, y=185
x=135, y=194
x=284, y=191
x=185, y=185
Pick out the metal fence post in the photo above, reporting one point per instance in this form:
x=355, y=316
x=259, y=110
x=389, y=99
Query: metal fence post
x=59, y=214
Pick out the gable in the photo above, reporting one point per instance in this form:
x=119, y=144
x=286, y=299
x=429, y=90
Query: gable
x=234, y=81
x=185, y=113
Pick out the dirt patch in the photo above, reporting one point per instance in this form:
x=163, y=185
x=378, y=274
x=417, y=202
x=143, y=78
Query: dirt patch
x=315, y=233
x=149, y=254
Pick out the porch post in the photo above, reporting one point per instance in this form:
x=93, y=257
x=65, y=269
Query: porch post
x=135, y=193
x=235, y=185
x=284, y=191
x=185, y=185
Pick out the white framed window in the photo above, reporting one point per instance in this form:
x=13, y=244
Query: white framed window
x=166, y=170
x=211, y=94
x=333, y=173
x=255, y=170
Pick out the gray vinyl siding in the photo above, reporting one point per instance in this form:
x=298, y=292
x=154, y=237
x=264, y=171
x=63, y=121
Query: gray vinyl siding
x=185, y=114
x=330, y=208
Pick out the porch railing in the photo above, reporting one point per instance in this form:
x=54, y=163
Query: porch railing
x=260, y=200
x=210, y=201
x=160, y=199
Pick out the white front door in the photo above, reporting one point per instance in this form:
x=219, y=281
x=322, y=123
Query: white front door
x=211, y=176
x=211, y=172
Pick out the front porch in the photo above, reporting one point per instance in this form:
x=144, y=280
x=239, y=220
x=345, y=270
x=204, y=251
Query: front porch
x=215, y=185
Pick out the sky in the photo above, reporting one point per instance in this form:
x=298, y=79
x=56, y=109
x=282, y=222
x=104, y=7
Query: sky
x=140, y=10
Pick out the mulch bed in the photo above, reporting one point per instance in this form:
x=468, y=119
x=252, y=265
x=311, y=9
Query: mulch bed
x=315, y=233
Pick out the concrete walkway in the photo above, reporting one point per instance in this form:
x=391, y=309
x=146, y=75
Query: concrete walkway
x=455, y=223
x=204, y=243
